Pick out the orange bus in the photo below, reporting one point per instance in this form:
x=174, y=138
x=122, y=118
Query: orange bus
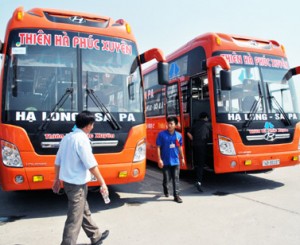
x=55, y=64
x=246, y=87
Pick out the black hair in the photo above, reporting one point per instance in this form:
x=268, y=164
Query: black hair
x=172, y=119
x=84, y=118
x=203, y=115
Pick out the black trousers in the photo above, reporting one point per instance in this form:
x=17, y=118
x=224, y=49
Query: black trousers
x=171, y=173
x=200, y=159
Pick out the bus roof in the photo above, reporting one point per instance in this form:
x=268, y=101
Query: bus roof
x=212, y=42
x=45, y=18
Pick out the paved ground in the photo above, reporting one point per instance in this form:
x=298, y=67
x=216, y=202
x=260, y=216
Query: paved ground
x=258, y=209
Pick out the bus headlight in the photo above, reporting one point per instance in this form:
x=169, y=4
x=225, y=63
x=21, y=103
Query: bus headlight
x=226, y=146
x=10, y=155
x=140, y=151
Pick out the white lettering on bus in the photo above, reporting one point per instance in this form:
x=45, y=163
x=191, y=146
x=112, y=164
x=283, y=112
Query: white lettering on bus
x=129, y=117
x=59, y=116
x=256, y=117
x=289, y=115
x=149, y=94
x=234, y=117
x=122, y=117
x=23, y=116
x=69, y=117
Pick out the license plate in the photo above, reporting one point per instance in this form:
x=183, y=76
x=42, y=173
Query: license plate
x=272, y=162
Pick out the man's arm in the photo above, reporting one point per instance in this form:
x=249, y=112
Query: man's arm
x=182, y=156
x=160, y=161
x=190, y=135
x=56, y=183
x=95, y=171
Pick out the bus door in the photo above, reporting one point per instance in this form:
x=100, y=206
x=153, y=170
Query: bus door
x=177, y=105
x=199, y=102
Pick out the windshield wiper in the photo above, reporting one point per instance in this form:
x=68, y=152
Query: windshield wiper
x=14, y=86
x=281, y=110
x=254, y=108
x=271, y=98
x=55, y=109
x=111, y=119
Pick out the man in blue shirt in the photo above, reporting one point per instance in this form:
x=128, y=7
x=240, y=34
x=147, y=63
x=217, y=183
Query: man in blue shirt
x=169, y=146
x=74, y=164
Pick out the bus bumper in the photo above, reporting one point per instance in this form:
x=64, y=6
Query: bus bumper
x=38, y=178
x=256, y=162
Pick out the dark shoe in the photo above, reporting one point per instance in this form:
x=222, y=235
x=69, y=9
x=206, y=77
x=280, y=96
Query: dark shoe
x=104, y=235
x=198, y=186
x=166, y=194
x=177, y=199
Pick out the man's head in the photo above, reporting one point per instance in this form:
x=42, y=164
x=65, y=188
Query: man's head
x=172, y=123
x=85, y=119
x=203, y=116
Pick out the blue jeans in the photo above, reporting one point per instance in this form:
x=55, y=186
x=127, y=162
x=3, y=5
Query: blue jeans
x=171, y=173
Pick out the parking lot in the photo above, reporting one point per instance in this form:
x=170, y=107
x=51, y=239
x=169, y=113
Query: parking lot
x=233, y=209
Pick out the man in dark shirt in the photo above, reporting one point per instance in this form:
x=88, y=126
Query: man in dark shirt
x=200, y=135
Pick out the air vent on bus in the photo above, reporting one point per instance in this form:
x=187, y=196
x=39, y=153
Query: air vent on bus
x=77, y=20
x=263, y=44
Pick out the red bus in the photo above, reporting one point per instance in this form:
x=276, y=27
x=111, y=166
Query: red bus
x=246, y=87
x=55, y=64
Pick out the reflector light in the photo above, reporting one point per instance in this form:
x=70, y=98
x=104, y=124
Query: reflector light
x=218, y=41
x=128, y=28
x=123, y=174
x=248, y=162
x=38, y=178
x=295, y=158
x=20, y=15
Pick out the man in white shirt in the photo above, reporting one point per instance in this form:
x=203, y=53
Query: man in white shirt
x=73, y=165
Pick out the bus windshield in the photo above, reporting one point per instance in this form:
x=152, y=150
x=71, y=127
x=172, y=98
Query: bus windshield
x=44, y=69
x=258, y=89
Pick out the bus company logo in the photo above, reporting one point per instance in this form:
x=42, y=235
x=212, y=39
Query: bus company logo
x=77, y=19
x=270, y=134
x=253, y=43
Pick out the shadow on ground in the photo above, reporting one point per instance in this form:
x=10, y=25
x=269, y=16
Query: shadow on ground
x=35, y=204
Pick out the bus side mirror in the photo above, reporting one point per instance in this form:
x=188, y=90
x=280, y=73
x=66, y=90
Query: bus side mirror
x=225, y=77
x=291, y=72
x=163, y=73
x=1, y=45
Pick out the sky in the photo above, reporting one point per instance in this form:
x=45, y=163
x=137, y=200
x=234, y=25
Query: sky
x=169, y=24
